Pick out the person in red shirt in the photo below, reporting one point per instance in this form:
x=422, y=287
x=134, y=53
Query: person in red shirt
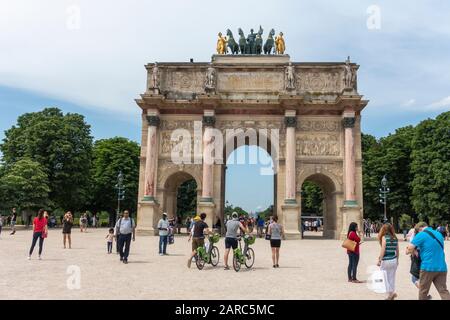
x=353, y=256
x=39, y=232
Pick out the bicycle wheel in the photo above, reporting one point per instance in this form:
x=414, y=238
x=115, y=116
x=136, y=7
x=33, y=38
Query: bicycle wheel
x=249, y=258
x=199, y=262
x=236, y=263
x=214, y=256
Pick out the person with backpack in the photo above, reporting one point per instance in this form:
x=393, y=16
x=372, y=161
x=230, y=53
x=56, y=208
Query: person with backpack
x=198, y=236
x=433, y=268
x=125, y=232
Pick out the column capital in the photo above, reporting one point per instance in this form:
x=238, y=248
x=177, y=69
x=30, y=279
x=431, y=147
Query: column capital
x=153, y=120
x=348, y=122
x=290, y=121
x=209, y=121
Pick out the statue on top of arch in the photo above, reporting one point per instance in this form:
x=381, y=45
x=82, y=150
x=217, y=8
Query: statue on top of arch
x=252, y=44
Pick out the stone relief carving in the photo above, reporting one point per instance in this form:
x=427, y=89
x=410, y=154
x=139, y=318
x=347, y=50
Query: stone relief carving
x=255, y=124
x=269, y=81
x=185, y=81
x=167, y=145
x=166, y=168
x=315, y=81
x=318, y=145
x=333, y=169
x=319, y=125
x=290, y=77
x=210, y=80
x=177, y=124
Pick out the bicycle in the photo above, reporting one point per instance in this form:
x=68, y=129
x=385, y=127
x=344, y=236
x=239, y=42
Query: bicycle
x=211, y=256
x=247, y=256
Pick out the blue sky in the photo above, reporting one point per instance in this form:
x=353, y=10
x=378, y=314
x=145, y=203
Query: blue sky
x=88, y=57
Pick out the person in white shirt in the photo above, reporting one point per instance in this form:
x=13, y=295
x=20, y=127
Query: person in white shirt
x=163, y=227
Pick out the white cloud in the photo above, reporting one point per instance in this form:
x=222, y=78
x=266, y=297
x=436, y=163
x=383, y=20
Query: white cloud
x=100, y=64
x=441, y=105
x=409, y=103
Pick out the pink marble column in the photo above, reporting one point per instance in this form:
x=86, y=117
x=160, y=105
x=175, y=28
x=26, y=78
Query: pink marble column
x=150, y=159
x=349, y=179
x=208, y=160
x=291, y=123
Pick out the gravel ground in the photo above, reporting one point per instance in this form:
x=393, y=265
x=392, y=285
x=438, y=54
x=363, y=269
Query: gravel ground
x=309, y=269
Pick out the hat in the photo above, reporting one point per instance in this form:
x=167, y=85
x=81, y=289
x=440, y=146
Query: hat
x=197, y=218
x=164, y=213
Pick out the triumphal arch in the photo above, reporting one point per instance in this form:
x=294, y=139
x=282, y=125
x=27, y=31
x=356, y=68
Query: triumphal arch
x=306, y=115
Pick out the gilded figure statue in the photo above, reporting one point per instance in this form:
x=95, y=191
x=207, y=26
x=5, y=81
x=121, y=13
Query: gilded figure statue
x=221, y=44
x=280, y=46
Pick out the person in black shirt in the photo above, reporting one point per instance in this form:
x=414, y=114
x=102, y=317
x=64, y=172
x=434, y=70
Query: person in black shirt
x=198, y=238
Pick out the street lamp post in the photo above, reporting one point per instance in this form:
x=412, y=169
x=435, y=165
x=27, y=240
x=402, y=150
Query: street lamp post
x=120, y=191
x=384, y=190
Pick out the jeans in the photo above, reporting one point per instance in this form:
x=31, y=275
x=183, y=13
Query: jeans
x=36, y=236
x=109, y=246
x=124, y=241
x=163, y=244
x=353, y=260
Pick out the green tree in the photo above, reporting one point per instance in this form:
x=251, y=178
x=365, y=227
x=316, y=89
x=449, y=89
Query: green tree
x=109, y=156
x=62, y=144
x=24, y=185
x=312, y=198
x=431, y=168
x=187, y=198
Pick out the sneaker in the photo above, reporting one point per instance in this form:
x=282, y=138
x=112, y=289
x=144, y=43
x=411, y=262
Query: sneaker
x=29, y=258
x=39, y=258
x=125, y=261
x=161, y=254
x=274, y=265
x=189, y=263
x=278, y=265
x=121, y=259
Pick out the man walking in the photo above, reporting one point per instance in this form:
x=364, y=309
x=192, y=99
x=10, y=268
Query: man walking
x=231, y=241
x=198, y=237
x=125, y=232
x=163, y=227
x=433, y=268
x=13, y=221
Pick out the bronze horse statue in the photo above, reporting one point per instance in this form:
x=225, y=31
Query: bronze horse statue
x=244, y=48
x=259, y=41
x=269, y=45
x=234, y=47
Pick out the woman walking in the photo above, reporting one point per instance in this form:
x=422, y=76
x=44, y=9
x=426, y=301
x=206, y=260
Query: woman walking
x=353, y=256
x=276, y=232
x=83, y=222
x=39, y=232
x=67, y=229
x=388, y=259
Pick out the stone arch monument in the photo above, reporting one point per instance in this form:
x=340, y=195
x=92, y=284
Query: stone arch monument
x=310, y=113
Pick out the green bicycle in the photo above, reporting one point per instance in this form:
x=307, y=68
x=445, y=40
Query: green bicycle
x=211, y=256
x=247, y=256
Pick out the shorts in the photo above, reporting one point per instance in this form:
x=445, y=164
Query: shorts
x=275, y=243
x=13, y=223
x=197, y=242
x=231, y=243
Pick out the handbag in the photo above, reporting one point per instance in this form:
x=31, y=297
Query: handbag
x=349, y=245
x=377, y=281
x=415, y=265
x=268, y=236
x=44, y=234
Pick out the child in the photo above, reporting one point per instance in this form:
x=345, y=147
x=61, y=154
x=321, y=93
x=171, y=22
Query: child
x=110, y=240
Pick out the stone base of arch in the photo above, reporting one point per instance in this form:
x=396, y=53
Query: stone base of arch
x=290, y=214
x=210, y=209
x=350, y=214
x=149, y=212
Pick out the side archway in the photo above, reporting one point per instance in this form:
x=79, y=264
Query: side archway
x=331, y=186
